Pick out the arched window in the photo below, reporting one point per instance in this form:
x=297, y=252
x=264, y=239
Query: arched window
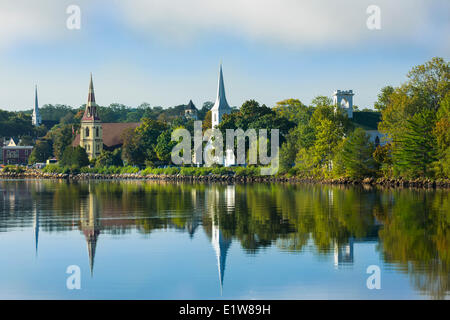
x=96, y=132
x=87, y=132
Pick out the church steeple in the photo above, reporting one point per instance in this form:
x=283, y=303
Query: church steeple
x=91, y=136
x=221, y=106
x=91, y=112
x=36, y=118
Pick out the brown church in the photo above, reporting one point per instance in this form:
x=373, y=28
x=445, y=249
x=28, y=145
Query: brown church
x=95, y=136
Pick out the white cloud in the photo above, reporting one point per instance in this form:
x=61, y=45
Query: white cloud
x=26, y=20
x=291, y=22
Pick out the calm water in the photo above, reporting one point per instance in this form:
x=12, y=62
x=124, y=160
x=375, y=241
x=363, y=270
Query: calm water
x=154, y=240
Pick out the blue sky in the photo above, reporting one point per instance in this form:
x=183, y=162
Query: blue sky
x=167, y=52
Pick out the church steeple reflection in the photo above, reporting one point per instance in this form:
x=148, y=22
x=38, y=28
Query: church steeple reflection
x=90, y=225
x=36, y=227
x=221, y=244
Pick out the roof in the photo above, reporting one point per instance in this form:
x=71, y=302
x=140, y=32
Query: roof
x=16, y=147
x=221, y=101
x=191, y=106
x=366, y=120
x=112, y=133
x=91, y=112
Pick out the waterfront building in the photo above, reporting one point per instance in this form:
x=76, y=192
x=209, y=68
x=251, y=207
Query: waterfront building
x=95, y=136
x=219, y=109
x=366, y=120
x=14, y=154
x=190, y=112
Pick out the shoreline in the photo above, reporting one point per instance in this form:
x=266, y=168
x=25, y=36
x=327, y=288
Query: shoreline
x=214, y=178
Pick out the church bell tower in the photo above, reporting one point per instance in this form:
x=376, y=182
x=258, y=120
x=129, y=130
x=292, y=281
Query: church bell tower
x=91, y=136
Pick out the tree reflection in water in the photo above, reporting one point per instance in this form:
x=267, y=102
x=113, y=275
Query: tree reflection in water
x=411, y=227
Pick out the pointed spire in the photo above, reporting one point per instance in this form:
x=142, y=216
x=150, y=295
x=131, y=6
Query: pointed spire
x=221, y=100
x=91, y=113
x=36, y=98
x=91, y=96
x=36, y=118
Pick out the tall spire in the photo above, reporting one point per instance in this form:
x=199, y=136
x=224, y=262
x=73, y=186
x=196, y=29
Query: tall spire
x=36, y=118
x=221, y=100
x=91, y=96
x=91, y=112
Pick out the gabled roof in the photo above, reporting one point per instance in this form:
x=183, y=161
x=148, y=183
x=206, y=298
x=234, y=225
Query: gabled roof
x=190, y=106
x=111, y=132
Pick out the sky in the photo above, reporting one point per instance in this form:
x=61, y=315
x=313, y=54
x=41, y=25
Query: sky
x=166, y=52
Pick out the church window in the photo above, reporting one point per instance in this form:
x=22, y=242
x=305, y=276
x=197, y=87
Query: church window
x=377, y=141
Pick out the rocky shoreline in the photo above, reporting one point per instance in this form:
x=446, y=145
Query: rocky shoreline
x=385, y=182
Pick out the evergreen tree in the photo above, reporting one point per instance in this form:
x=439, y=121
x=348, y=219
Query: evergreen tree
x=357, y=156
x=416, y=147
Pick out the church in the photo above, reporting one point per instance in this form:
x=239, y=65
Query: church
x=94, y=135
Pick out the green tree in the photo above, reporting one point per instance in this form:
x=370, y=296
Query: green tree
x=357, y=155
x=61, y=136
x=442, y=133
x=133, y=151
x=108, y=158
x=164, y=146
x=74, y=156
x=41, y=152
x=416, y=146
x=384, y=98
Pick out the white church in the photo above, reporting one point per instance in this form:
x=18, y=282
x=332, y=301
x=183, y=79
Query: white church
x=341, y=98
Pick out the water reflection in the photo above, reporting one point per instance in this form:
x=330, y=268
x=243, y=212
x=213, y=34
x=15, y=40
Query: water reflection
x=410, y=227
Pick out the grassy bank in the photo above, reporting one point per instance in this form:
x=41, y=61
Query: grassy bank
x=183, y=171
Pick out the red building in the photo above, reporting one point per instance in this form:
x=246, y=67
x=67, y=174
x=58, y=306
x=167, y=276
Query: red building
x=12, y=154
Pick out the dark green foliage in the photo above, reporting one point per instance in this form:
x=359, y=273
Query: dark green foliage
x=108, y=158
x=61, y=136
x=15, y=124
x=367, y=120
x=357, y=155
x=416, y=147
x=74, y=157
x=41, y=152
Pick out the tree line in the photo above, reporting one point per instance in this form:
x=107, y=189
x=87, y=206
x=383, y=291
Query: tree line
x=317, y=140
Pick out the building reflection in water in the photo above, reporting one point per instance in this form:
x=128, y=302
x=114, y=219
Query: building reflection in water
x=343, y=253
x=36, y=226
x=90, y=225
x=215, y=201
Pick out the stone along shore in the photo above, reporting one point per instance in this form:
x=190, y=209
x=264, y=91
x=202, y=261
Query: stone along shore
x=386, y=182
